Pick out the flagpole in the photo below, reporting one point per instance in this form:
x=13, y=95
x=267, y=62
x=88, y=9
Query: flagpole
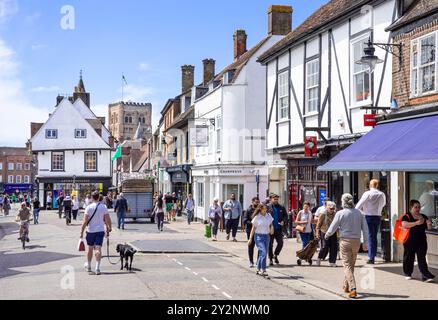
x=123, y=86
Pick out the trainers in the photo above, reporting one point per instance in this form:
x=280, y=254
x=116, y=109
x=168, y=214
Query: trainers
x=228, y=237
x=333, y=265
x=370, y=262
x=318, y=262
x=251, y=265
x=276, y=260
x=234, y=240
x=427, y=280
x=87, y=267
x=408, y=277
x=97, y=272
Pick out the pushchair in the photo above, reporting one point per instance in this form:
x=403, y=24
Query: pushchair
x=307, y=253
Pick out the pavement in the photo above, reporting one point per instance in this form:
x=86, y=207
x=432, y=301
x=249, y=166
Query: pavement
x=52, y=268
x=178, y=264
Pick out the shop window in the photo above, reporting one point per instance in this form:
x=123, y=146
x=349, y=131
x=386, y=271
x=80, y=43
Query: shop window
x=424, y=188
x=237, y=189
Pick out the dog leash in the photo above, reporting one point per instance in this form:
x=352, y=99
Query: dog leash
x=108, y=254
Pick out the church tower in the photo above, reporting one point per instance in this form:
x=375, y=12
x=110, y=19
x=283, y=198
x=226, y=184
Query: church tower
x=81, y=93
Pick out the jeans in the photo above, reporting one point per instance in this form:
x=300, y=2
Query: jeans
x=75, y=214
x=373, y=223
x=214, y=225
x=160, y=220
x=305, y=238
x=329, y=246
x=419, y=249
x=121, y=219
x=252, y=245
x=189, y=216
x=262, y=243
x=232, y=225
x=36, y=215
x=278, y=236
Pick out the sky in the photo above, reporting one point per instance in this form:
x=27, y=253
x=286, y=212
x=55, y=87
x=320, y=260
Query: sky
x=45, y=43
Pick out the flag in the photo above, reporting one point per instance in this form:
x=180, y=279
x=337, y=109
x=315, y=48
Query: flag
x=118, y=153
x=124, y=79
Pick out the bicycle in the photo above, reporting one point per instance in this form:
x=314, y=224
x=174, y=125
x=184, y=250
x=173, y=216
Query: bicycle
x=24, y=232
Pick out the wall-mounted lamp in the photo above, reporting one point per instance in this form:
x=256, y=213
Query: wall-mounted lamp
x=371, y=60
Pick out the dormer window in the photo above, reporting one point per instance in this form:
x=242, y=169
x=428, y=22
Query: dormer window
x=80, y=133
x=51, y=134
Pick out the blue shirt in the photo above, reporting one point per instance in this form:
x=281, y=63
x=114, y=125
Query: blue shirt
x=275, y=215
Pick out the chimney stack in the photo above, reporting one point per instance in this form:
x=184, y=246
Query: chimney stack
x=209, y=70
x=188, y=77
x=239, y=43
x=280, y=20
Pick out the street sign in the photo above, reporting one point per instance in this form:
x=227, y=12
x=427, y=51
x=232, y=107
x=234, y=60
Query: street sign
x=369, y=120
x=311, y=146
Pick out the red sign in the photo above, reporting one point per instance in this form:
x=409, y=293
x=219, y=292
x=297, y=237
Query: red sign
x=369, y=120
x=311, y=146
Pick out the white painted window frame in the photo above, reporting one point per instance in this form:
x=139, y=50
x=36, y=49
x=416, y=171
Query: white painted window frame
x=359, y=103
x=416, y=86
x=311, y=87
x=283, y=96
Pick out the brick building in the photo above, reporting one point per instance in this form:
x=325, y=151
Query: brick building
x=15, y=170
x=125, y=117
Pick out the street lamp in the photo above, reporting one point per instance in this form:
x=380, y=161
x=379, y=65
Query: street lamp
x=371, y=60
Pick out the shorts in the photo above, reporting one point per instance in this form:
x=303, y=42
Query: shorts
x=169, y=207
x=95, y=239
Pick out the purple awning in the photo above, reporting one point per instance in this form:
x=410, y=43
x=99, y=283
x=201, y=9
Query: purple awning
x=408, y=145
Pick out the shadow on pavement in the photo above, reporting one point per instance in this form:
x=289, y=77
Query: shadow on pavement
x=8, y=228
x=35, y=247
x=399, y=271
x=27, y=259
x=380, y=296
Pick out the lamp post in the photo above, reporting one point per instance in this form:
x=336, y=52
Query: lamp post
x=370, y=59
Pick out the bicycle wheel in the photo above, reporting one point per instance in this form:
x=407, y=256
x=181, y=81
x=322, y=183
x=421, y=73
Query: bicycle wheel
x=23, y=241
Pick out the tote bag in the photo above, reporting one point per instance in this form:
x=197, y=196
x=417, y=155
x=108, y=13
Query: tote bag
x=401, y=234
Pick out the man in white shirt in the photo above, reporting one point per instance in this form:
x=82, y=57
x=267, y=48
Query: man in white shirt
x=95, y=219
x=428, y=198
x=371, y=204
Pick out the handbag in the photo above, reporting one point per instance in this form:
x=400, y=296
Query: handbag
x=401, y=234
x=81, y=245
x=300, y=228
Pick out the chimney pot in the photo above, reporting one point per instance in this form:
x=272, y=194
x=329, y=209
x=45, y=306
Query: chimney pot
x=240, y=38
x=209, y=70
x=188, y=77
x=280, y=20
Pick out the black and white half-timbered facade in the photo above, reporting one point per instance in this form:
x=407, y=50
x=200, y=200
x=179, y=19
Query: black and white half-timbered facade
x=318, y=96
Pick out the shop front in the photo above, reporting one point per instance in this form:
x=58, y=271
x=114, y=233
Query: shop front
x=181, y=180
x=403, y=156
x=78, y=187
x=17, y=189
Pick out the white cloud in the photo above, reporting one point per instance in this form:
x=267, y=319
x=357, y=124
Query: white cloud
x=136, y=93
x=8, y=8
x=15, y=109
x=46, y=89
x=143, y=66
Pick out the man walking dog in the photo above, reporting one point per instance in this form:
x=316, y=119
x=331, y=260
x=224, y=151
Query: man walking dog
x=96, y=218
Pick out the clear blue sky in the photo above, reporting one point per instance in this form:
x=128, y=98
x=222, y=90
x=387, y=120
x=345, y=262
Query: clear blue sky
x=148, y=41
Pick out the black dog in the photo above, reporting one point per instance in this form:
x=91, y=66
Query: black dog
x=126, y=251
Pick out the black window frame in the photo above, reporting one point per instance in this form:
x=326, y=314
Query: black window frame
x=77, y=130
x=52, y=138
x=63, y=161
x=85, y=161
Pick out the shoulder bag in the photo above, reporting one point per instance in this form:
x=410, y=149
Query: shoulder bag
x=401, y=234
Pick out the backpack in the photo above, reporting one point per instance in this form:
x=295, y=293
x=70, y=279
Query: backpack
x=401, y=234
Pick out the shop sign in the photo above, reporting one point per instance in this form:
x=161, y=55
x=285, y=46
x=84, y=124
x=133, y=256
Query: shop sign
x=369, y=120
x=311, y=146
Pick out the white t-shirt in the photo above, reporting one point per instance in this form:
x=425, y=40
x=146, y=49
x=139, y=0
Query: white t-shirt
x=262, y=223
x=97, y=224
x=319, y=211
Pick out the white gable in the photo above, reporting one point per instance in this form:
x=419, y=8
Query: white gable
x=88, y=114
x=66, y=119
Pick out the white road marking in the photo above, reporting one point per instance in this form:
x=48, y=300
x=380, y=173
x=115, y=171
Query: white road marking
x=195, y=273
x=226, y=295
x=215, y=287
x=205, y=279
x=179, y=263
x=187, y=268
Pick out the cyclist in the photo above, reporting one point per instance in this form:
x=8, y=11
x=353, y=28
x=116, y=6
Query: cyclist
x=24, y=217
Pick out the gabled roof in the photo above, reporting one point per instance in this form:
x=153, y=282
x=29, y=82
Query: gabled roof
x=88, y=114
x=241, y=62
x=322, y=17
x=60, y=119
x=418, y=10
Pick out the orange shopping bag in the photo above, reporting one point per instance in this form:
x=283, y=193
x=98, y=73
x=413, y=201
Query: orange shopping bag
x=401, y=234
